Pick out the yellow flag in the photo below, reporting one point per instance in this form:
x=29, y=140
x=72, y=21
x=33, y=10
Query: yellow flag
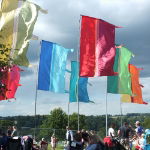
x=125, y=98
x=7, y=14
x=16, y=27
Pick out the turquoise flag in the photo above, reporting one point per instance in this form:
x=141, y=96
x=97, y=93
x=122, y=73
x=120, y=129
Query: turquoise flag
x=52, y=67
x=79, y=83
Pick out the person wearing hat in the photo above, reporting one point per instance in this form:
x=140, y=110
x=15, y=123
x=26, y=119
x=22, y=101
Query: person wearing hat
x=139, y=129
x=43, y=144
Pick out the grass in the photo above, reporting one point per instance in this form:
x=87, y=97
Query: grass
x=59, y=147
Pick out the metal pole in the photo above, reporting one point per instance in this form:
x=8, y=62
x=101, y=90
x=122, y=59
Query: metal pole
x=36, y=92
x=68, y=114
x=78, y=117
x=121, y=112
x=106, y=116
x=35, y=112
x=106, y=103
x=78, y=53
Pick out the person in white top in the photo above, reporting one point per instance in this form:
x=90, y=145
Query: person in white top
x=53, y=141
x=142, y=142
x=111, y=131
x=69, y=137
x=69, y=134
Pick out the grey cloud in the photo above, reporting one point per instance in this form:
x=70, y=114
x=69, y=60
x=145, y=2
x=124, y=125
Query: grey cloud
x=61, y=25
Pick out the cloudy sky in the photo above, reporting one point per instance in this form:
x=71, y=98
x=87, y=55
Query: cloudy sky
x=61, y=25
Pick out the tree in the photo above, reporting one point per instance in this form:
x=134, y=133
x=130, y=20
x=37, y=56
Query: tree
x=57, y=120
x=74, y=121
x=146, y=123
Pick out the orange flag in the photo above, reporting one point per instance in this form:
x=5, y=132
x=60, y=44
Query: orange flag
x=135, y=86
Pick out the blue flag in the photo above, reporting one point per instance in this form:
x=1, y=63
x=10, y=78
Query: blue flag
x=79, y=83
x=52, y=66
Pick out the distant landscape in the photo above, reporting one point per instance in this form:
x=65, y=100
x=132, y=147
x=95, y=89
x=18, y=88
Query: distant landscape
x=56, y=122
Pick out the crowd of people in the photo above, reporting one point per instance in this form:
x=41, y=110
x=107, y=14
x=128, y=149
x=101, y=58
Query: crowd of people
x=125, y=138
x=5, y=137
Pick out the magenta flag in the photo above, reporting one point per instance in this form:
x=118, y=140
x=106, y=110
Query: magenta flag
x=97, y=47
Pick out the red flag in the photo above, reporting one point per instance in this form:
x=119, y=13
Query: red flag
x=97, y=47
x=3, y=82
x=10, y=82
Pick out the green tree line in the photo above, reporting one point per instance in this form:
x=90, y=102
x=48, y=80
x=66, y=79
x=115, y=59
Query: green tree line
x=57, y=121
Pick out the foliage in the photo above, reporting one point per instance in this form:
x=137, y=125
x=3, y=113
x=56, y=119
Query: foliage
x=56, y=122
x=146, y=123
x=5, y=64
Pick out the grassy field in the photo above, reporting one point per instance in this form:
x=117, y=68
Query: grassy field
x=59, y=147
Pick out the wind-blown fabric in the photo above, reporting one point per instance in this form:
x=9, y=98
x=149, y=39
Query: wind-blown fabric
x=11, y=82
x=136, y=87
x=16, y=24
x=97, y=47
x=52, y=66
x=78, y=85
x=120, y=84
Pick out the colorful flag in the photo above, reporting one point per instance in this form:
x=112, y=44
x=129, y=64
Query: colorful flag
x=97, y=47
x=78, y=85
x=120, y=84
x=52, y=67
x=9, y=82
x=17, y=23
x=136, y=87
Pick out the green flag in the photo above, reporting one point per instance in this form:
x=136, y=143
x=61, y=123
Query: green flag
x=120, y=84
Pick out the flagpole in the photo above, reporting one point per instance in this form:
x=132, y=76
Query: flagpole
x=68, y=114
x=106, y=110
x=35, y=109
x=36, y=92
x=78, y=53
x=121, y=112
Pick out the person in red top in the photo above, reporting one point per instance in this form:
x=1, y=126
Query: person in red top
x=43, y=144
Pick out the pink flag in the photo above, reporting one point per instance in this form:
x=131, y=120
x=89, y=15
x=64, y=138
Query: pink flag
x=13, y=82
x=97, y=47
x=10, y=82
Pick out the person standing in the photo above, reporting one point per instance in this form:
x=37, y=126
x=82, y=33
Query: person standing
x=14, y=131
x=139, y=129
x=124, y=133
x=43, y=144
x=53, y=141
x=69, y=137
x=111, y=131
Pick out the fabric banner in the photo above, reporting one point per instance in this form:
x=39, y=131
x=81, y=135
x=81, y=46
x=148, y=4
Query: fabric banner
x=120, y=84
x=9, y=82
x=52, y=66
x=136, y=88
x=78, y=85
x=17, y=23
x=97, y=47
